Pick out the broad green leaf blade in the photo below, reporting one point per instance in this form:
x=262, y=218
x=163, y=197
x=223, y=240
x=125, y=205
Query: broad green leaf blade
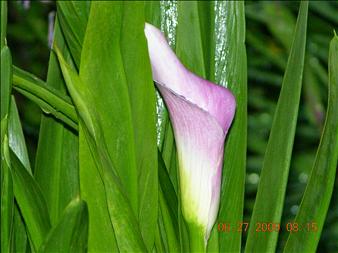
x=317, y=196
x=57, y=175
x=109, y=91
x=31, y=202
x=101, y=236
x=103, y=72
x=49, y=99
x=189, y=38
x=274, y=175
x=71, y=232
x=73, y=17
x=153, y=12
x=231, y=71
x=141, y=89
x=128, y=238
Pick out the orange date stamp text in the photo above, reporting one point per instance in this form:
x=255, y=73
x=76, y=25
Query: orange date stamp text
x=267, y=227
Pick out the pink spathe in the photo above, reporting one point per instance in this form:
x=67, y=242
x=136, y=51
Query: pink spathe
x=201, y=113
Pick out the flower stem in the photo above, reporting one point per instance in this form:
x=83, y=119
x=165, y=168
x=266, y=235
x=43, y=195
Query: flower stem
x=196, y=238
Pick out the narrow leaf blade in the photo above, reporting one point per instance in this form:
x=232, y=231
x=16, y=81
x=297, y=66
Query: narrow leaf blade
x=31, y=202
x=271, y=190
x=317, y=196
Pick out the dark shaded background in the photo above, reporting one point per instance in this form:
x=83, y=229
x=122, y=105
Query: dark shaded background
x=269, y=33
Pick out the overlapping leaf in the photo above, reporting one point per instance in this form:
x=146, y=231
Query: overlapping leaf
x=128, y=238
x=60, y=182
x=70, y=234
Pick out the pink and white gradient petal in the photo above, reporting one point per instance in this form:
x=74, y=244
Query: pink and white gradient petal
x=201, y=113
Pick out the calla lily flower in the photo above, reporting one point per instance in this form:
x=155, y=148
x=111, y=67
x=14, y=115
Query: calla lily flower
x=201, y=113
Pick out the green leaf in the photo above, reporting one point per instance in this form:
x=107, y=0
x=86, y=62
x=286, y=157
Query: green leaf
x=13, y=232
x=101, y=234
x=18, y=145
x=7, y=196
x=16, y=137
x=141, y=89
x=319, y=189
x=153, y=12
x=189, y=38
x=71, y=232
x=57, y=175
x=231, y=71
x=6, y=183
x=73, y=16
x=49, y=99
x=274, y=175
x=20, y=241
x=31, y=202
x=128, y=238
x=6, y=81
x=206, y=15
x=168, y=204
x=110, y=91
x=160, y=245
